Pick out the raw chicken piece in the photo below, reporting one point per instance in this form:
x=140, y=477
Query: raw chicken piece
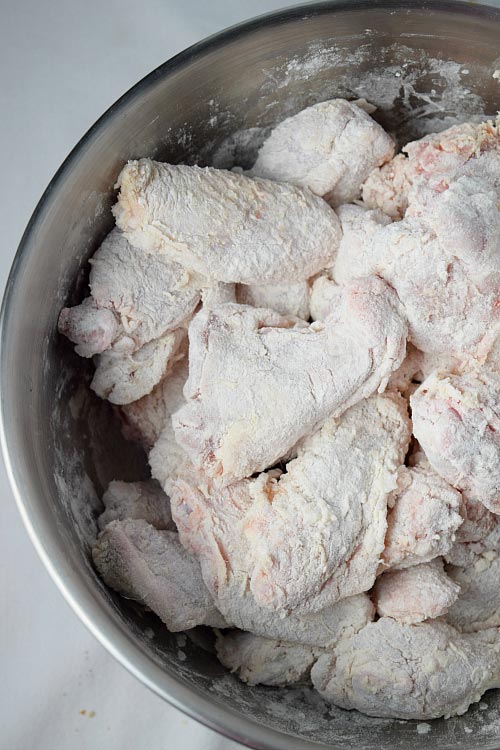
x=146, y=419
x=135, y=297
x=90, y=327
x=256, y=385
x=326, y=296
x=456, y=419
x=478, y=606
x=387, y=187
x=424, y=519
x=123, y=377
x=435, y=161
x=152, y=567
x=329, y=148
x=359, y=224
x=415, y=594
x=450, y=239
x=285, y=299
x=466, y=220
x=261, y=661
x=421, y=671
x=441, y=157
x=136, y=500
x=451, y=300
x=225, y=226
x=334, y=497
x=150, y=294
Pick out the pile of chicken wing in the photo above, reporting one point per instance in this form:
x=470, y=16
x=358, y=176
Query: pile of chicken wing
x=308, y=354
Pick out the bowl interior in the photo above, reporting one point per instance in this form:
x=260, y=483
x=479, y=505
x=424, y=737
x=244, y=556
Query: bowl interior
x=425, y=66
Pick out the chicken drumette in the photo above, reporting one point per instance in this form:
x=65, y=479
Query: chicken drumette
x=420, y=671
x=329, y=148
x=259, y=382
x=236, y=229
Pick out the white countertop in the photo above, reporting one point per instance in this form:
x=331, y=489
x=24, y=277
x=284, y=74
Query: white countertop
x=62, y=63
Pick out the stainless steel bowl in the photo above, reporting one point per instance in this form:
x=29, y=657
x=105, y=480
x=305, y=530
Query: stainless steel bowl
x=425, y=65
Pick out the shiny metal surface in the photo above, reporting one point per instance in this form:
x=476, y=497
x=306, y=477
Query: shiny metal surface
x=426, y=64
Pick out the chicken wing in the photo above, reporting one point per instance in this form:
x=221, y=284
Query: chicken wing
x=420, y=671
x=136, y=297
x=334, y=494
x=122, y=377
x=450, y=300
x=415, y=594
x=225, y=226
x=435, y=161
x=257, y=385
x=152, y=567
x=424, y=519
x=456, y=419
x=330, y=148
